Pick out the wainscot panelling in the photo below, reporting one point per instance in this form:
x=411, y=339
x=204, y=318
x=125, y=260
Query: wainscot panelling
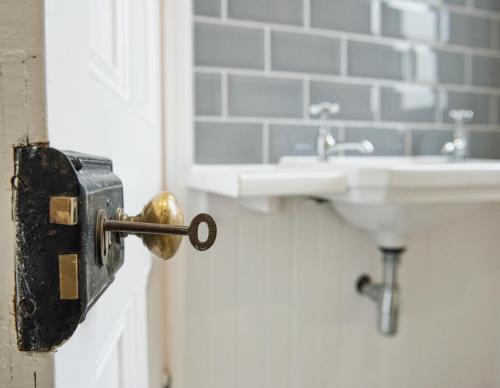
x=273, y=305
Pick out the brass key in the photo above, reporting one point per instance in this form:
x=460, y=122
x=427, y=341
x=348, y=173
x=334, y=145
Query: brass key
x=159, y=225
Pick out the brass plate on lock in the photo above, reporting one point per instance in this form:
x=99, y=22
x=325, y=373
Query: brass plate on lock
x=63, y=210
x=68, y=276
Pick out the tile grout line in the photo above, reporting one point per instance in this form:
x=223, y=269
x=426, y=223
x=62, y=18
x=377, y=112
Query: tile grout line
x=407, y=67
x=376, y=98
x=496, y=109
x=267, y=49
x=358, y=37
x=375, y=16
x=495, y=35
x=439, y=107
x=307, y=14
x=384, y=82
x=468, y=70
x=343, y=57
x=224, y=94
x=408, y=142
x=223, y=9
x=493, y=110
x=441, y=24
x=348, y=123
x=265, y=142
x=306, y=98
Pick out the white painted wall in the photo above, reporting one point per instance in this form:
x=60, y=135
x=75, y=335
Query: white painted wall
x=273, y=305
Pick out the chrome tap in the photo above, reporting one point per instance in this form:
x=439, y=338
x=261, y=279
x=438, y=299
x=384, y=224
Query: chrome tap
x=326, y=143
x=458, y=149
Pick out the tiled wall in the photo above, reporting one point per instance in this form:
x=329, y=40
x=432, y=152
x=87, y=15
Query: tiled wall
x=396, y=67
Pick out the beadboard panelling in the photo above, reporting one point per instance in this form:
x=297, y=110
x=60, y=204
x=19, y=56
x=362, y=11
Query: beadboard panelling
x=399, y=65
x=273, y=305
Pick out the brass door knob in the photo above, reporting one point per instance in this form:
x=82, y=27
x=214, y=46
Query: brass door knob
x=159, y=225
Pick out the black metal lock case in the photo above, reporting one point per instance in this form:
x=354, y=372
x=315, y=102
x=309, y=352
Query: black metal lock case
x=60, y=274
x=70, y=229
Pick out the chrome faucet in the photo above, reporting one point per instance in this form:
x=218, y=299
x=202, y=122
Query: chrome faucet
x=326, y=143
x=458, y=149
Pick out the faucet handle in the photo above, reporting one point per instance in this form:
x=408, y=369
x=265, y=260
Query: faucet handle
x=367, y=147
x=461, y=115
x=324, y=109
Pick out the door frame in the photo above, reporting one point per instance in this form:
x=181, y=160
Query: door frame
x=177, y=24
x=23, y=121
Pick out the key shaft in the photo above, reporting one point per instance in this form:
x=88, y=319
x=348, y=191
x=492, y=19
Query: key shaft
x=144, y=228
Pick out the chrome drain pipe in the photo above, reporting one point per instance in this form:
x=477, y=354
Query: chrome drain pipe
x=385, y=294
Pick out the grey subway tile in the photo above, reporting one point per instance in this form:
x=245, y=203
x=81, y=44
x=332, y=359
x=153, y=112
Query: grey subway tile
x=431, y=65
x=490, y=5
x=207, y=7
x=486, y=71
x=429, y=141
x=269, y=11
x=408, y=103
x=265, y=97
x=293, y=140
x=377, y=61
x=305, y=53
x=217, y=45
x=208, y=100
x=343, y=15
x=355, y=100
x=479, y=103
x=386, y=142
x=466, y=30
x=401, y=21
x=485, y=145
x=228, y=143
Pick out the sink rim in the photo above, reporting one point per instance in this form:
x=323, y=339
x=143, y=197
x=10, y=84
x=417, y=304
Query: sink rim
x=389, y=173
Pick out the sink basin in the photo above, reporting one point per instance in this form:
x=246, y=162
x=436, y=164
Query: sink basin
x=393, y=197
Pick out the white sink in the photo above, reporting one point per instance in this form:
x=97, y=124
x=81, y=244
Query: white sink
x=392, y=197
x=264, y=180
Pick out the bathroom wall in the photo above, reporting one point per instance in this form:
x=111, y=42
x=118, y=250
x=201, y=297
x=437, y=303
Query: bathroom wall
x=273, y=304
x=396, y=67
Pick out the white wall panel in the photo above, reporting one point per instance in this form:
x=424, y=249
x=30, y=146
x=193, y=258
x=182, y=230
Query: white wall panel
x=274, y=305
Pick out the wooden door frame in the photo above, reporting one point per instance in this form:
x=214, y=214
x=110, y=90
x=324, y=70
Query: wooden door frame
x=23, y=120
x=178, y=116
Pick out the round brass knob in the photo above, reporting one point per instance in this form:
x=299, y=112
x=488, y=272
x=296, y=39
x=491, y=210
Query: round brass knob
x=159, y=225
x=161, y=209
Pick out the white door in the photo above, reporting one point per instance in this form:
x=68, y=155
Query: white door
x=103, y=98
